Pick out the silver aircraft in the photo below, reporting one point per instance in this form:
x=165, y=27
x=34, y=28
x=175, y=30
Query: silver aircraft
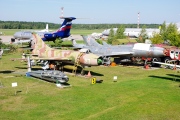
x=21, y=37
x=125, y=52
x=50, y=75
x=1, y=53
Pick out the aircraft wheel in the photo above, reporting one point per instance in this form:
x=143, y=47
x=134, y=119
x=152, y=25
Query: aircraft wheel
x=166, y=59
x=156, y=60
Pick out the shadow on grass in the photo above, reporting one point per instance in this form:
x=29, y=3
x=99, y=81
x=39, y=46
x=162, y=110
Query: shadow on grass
x=27, y=68
x=25, y=47
x=84, y=73
x=93, y=73
x=66, y=70
x=173, y=77
x=6, y=71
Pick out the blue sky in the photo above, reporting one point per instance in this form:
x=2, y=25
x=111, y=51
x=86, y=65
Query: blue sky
x=96, y=11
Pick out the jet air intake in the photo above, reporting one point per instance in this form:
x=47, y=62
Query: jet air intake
x=90, y=60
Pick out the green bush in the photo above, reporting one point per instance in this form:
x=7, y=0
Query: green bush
x=11, y=48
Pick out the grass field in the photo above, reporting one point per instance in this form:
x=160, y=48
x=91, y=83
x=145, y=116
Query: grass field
x=9, y=31
x=138, y=94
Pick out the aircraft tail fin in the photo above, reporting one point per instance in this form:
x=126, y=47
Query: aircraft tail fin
x=64, y=30
x=38, y=45
x=90, y=41
x=85, y=39
x=73, y=42
x=105, y=43
x=47, y=28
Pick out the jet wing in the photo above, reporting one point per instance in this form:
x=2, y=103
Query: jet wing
x=172, y=65
x=39, y=58
x=116, y=54
x=52, y=58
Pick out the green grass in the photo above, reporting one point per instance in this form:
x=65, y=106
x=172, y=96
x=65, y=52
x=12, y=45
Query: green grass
x=9, y=31
x=124, y=41
x=85, y=32
x=66, y=43
x=137, y=94
x=73, y=31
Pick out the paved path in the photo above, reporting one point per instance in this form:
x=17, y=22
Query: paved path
x=6, y=39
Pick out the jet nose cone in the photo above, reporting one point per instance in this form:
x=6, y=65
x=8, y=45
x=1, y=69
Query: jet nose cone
x=90, y=60
x=99, y=61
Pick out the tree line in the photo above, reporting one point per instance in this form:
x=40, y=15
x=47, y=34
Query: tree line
x=168, y=34
x=41, y=25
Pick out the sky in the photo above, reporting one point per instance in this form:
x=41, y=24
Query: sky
x=92, y=11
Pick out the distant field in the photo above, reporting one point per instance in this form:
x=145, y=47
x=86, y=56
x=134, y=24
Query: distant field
x=138, y=94
x=9, y=31
x=73, y=31
x=85, y=32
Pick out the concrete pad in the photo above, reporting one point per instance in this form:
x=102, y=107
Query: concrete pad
x=6, y=39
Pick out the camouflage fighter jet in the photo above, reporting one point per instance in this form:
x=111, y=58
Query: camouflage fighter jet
x=55, y=56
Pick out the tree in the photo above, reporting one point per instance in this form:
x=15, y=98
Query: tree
x=157, y=38
x=111, y=36
x=174, y=39
x=163, y=31
x=143, y=35
x=120, y=32
x=167, y=33
x=173, y=35
x=58, y=42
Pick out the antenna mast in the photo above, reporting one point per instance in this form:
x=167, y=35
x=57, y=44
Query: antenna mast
x=62, y=12
x=138, y=20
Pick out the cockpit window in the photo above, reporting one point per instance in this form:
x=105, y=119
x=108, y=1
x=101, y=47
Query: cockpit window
x=151, y=45
x=87, y=52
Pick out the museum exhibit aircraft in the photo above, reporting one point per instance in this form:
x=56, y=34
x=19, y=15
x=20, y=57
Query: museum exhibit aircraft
x=26, y=36
x=62, y=32
x=58, y=58
x=123, y=51
x=50, y=75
